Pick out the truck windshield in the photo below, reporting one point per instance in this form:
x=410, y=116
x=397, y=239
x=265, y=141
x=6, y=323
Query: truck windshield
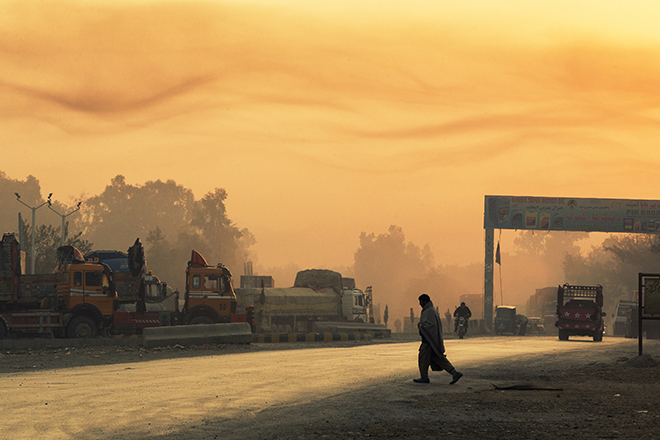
x=152, y=291
x=218, y=283
x=212, y=282
x=93, y=279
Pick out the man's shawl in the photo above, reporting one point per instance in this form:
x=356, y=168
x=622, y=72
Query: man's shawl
x=430, y=327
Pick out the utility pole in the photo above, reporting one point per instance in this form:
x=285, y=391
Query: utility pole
x=18, y=197
x=64, y=216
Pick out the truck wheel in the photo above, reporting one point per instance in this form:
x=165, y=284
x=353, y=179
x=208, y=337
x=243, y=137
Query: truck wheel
x=3, y=330
x=82, y=327
x=563, y=335
x=598, y=337
x=201, y=320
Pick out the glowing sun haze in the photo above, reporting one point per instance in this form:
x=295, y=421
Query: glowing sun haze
x=325, y=119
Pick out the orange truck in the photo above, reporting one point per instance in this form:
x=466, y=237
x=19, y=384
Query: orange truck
x=75, y=300
x=80, y=299
x=209, y=296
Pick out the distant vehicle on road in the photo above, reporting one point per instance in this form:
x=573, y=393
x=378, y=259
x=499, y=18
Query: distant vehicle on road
x=535, y=325
x=620, y=316
x=580, y=311
x=505, y=320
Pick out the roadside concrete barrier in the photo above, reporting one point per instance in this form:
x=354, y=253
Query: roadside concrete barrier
x=185, y=335
x=317, y=337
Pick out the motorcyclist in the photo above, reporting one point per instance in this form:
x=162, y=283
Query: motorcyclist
x=461, y=311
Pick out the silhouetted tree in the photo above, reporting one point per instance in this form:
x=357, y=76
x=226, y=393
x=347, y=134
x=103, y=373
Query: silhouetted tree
x=30, y=193
x=47, y=239
x=123, y=212
x=390, y=265
x=386, y=315
x=173, y=222
x=615, y=265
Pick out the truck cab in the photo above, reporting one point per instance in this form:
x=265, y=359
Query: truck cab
x=354, y=302
x=86, y=296
x=354, y=306
x=209, y=296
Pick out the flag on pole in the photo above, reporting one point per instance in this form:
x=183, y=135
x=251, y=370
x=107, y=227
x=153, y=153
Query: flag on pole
x=497, y=254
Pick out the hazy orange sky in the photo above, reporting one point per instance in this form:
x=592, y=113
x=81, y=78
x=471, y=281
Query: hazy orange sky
x=325, y=119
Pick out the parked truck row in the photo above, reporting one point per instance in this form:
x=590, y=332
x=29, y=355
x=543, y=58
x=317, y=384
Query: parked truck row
x=111, y=292
x=85, y=297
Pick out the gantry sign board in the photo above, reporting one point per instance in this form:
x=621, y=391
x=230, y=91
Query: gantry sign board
x=572, y=214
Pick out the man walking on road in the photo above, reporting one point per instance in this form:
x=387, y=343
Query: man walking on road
x=432, y=350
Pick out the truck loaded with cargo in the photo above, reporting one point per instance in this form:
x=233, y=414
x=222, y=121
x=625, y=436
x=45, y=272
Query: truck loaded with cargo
x=580, y=311
x=320, y=300
x=81, y=298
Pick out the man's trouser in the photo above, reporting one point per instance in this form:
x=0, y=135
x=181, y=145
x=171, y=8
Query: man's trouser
x=424, y=360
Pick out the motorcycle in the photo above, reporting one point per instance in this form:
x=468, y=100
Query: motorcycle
x=462, y=326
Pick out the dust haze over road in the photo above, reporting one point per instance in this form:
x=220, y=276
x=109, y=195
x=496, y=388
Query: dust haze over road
x=260, y=394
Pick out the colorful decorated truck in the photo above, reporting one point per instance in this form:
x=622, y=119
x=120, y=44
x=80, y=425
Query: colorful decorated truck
x=580, y=311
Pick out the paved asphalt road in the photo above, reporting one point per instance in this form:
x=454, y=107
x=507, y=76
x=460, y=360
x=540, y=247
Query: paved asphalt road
x=166, y=397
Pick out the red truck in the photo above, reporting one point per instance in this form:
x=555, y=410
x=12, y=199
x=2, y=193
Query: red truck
x=580, y=312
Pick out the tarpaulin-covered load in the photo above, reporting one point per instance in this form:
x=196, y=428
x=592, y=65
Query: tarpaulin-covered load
x=318, y=279
x=348, y=283
x=291, y=301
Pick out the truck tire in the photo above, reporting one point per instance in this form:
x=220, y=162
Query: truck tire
x=563, y=335
x=3, y=330
x=82, y=327
x=201, y=320
x=598, y=336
